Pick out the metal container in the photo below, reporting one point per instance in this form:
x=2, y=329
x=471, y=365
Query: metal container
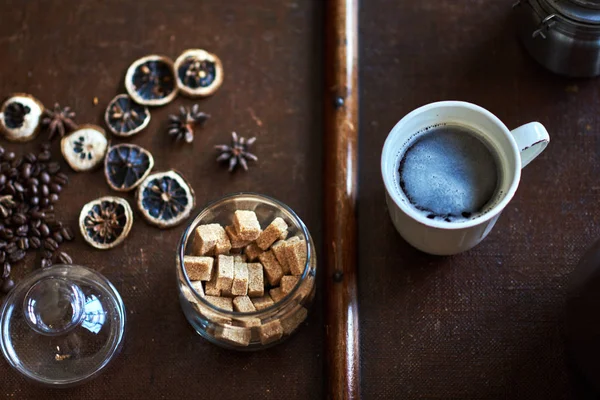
x=562, y=35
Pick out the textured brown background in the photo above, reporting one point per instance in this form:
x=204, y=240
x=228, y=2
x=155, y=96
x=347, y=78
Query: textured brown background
x=483, y=325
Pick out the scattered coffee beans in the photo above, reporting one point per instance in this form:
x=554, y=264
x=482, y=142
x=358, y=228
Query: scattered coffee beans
x=29, y=188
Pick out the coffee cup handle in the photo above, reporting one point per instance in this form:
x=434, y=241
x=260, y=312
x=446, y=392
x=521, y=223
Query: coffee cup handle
x=532, y=139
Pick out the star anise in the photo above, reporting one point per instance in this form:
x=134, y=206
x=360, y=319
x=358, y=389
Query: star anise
x=237, y=153
x=59, y=121
x=182, y=126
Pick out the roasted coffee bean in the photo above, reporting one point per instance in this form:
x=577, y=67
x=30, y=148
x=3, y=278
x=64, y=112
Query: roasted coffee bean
x=16, y=163
x=46, y=254
x=45, y=178
x=38, y=215
x=9, y=156
x=19, y=187
x=4, y=213
x=55, y=188
x=44, y=202
x=44, y=230
x=22, y=230
x=33, y=182
x=19, y=219
x=6, y=267
x=50, y=244
x=53, y=198
x=10, y=189
x=2, y=180
x=34, y=201
x=45, y=263
x=6, y=233
x=11, y=248
x=12, y=173
x=67, y=233
x=33, y=191
x=44, y=156
x=35, y=242
x=63, y=258
x=55, y=226
x=7, y=285
x=25, y=171
x=61, y=178
x=1, y=151
x=2, y=244
x=58, y=237
x=30, y=157
x=35, y=232
x=35, y=170
x=17, y=255
x=23, y=243
x=53, y=167
x=45, y=190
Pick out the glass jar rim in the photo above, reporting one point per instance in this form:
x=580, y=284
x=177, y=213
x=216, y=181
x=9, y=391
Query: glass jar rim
x=277, y=305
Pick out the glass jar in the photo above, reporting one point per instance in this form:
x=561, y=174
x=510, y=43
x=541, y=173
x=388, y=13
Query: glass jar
x=562, y=35
x=61, y=326
x=255, y=330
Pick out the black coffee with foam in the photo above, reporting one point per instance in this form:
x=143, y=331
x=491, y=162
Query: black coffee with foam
x=449, y=174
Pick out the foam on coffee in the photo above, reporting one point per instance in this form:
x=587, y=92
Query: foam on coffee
x=448, y=173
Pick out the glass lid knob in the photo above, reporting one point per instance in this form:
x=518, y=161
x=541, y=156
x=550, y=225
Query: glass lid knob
x=53, y=306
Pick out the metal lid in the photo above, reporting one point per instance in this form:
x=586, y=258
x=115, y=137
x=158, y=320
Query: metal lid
x=579, y=11
x=62, y=325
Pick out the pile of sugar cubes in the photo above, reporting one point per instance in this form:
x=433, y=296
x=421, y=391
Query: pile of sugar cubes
x=244, y=268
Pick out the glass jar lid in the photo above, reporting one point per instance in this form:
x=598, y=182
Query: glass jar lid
x=62, y=325
x=579, y=11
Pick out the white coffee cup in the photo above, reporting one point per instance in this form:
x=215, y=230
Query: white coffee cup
x=515, y=149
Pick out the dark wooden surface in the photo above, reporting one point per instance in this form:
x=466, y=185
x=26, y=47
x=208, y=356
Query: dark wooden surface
x=487, y=324
x=341, y=110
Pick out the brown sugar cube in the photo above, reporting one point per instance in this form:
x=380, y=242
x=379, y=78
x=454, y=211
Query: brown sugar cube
x=256, y=286
x=234, y=239
x=271, y=233
x=240, y=279
x=284, y=235
x=211, y=287
x=237, y=258
x=198, y=268
x=234, y=335
x=276, y=294
x=271, y=266
x=243, y=304
x=227, y=293
x=252, y=251
x=223, y=244
x=246, y=224
x=205, y=238
x=291, y=322
x=248, y=322
x=225, y=303
x=306, y=287
x=278, y=249
x=213, y=316
x=262, y=302
x=225, y=266
x=296, y=256
x=271, y=332
x=188, y=295
x=288, y=282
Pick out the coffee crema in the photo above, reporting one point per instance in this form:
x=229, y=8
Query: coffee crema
x=449, y=174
